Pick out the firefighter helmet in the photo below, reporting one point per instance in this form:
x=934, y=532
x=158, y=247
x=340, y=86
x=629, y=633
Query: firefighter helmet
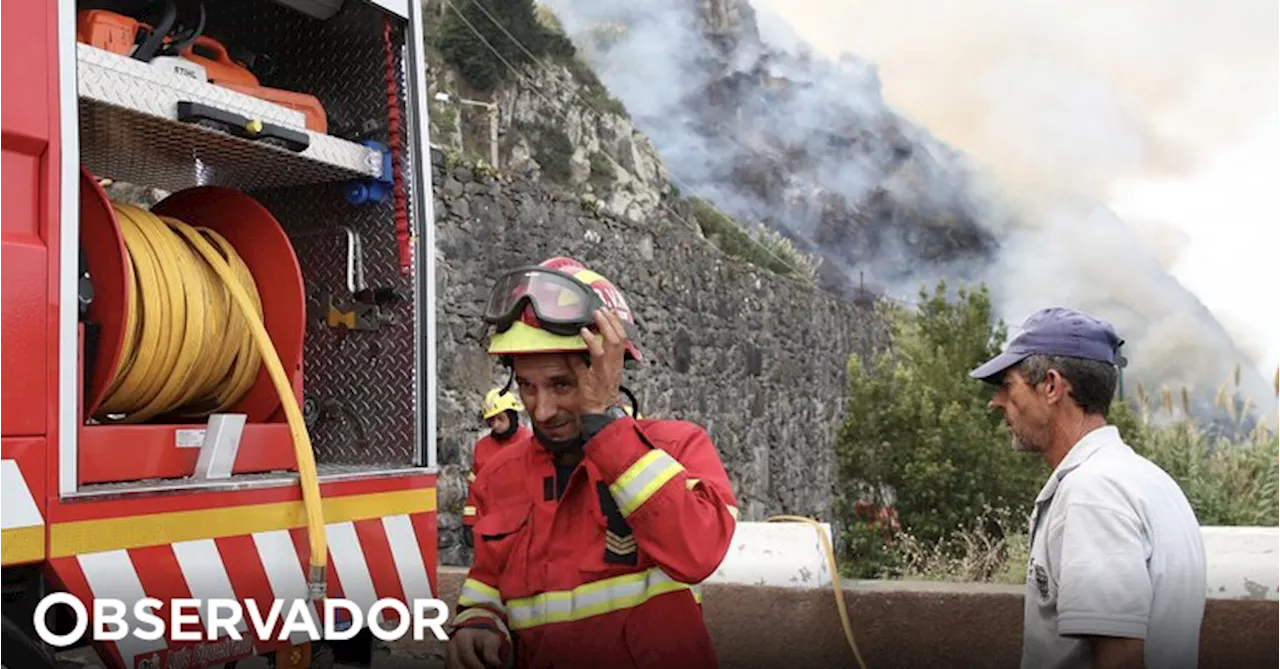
x=540, y=308
x=499, y=400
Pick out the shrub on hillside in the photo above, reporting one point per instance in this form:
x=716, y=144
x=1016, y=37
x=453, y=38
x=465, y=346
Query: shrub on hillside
x=552, y=149
x=767, y=249
x=477, y=62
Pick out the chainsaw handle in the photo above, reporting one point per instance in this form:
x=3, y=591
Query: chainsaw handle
x=181, y=40
x=219, y=51
x=151, y=45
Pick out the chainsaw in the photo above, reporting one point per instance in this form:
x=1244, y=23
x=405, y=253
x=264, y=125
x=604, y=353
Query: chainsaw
x=163, y=39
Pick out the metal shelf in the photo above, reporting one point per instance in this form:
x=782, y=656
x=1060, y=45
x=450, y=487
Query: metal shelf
x=129, y=131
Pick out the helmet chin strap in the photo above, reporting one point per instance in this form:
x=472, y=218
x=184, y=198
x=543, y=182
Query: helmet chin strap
x=513, y=424
x=635, y=404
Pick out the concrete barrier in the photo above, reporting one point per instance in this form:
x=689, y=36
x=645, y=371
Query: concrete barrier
x=783, y=554
x=771, y=604
x=1243, y=562
x=913, y=625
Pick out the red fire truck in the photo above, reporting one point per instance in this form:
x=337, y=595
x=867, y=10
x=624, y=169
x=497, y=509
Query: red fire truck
x=218, y=316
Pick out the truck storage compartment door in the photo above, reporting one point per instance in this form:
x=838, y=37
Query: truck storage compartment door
x=29, y=203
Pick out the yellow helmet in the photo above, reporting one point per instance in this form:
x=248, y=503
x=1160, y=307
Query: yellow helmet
x=499, y=400
x=540, y=309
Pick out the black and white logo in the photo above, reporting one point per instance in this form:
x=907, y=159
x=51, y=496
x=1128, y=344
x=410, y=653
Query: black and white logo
x=1042, y=580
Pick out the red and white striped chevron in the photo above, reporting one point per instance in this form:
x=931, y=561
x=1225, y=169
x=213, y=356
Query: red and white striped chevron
x=24, y=505
x=368, y=559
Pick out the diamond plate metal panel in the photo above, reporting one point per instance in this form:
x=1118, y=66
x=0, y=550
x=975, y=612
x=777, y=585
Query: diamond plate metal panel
x=156, y=90
x=365, y=379
x=340, y=60
x=360, y=385
x=362, y=380
x=129, y=132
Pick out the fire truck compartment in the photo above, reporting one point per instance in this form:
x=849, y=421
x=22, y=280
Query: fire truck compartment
x=152, y=129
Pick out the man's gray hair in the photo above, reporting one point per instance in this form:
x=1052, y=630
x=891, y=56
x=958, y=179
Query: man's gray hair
x=1093, y=383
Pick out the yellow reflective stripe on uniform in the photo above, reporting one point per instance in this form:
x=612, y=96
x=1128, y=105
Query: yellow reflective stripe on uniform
x=468, y=511
x=475, y=593
x=642, y=479
x=593, y=599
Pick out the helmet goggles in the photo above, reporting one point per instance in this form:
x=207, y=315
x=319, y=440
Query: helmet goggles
x=561, y=303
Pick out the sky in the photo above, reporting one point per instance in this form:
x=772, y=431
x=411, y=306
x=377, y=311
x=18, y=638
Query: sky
x=1166, y=110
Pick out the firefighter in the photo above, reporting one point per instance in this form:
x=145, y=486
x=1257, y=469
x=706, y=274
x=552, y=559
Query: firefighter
x=593, y=534
x=501, y=411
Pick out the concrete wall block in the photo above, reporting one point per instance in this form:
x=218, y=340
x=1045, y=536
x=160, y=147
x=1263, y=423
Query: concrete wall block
x=1243, y=562
x=784, y=555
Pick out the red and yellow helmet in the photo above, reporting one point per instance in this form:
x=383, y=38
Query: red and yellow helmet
x=539, y=309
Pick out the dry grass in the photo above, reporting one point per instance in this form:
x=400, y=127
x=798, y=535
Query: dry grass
x=1231, y=476
x=992, y=550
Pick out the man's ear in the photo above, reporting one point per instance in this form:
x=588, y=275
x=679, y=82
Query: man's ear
x=1055, y=387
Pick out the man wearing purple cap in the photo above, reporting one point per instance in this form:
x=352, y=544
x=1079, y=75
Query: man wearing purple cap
x=1116, y=576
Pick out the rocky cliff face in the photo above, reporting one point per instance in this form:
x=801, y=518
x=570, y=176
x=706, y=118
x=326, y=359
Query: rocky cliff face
x=754, y=121
x=803, y=145
x=758, y=360
x=610, y=159
x=556, y=123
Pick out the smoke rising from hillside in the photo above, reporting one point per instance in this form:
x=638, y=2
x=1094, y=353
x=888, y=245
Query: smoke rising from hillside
x=1065, y=102
x=1060, y=105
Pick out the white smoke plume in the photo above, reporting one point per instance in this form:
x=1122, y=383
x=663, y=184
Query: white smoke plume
x=1081, y=100
x=1062, y=105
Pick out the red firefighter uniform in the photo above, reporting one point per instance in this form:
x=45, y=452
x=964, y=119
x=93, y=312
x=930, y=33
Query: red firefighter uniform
x=487, y=447
x=599, y=568
x=593, y=565
x=497, y=401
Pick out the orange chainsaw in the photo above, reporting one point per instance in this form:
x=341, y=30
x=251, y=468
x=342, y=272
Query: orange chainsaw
x=168, y=39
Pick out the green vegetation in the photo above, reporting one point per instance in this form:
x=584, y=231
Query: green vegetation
x=534, y=27
x=934, y=490
x=476, y=62
x=766, y=249
x=444, y=118
x=593, y=91
x=551, y=148
x=602, y=172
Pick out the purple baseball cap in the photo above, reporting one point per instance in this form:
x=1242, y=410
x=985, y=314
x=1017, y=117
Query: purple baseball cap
x=1057, y=331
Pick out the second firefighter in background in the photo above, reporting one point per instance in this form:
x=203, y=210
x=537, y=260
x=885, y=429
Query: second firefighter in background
x=501, y=412
x=594, y=533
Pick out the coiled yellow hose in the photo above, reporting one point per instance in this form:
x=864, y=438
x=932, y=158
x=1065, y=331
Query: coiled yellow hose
x=187, y=351
x=835, y=579
x=192, y=354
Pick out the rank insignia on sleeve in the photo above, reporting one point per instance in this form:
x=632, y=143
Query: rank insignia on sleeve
x=619, y=542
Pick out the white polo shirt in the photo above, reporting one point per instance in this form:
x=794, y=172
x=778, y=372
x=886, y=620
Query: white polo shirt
x=1116, y=550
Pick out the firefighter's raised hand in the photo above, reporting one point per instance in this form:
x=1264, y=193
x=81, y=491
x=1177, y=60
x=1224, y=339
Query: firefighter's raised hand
x=600, y=382
x=475, y=648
